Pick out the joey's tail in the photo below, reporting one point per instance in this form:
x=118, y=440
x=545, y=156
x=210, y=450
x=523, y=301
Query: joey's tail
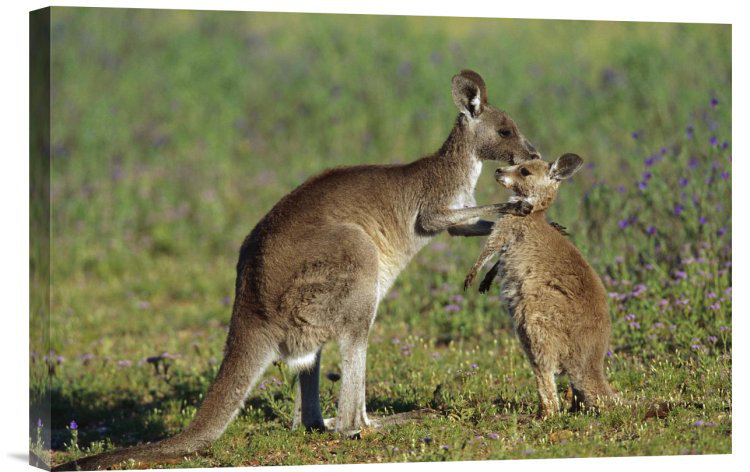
x=244, y=362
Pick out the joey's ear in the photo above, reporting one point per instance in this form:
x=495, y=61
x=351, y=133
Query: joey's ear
x=469, y=93
x=565, y=166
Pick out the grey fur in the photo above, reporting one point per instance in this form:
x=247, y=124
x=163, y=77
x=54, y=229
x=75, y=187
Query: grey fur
x=316, y=266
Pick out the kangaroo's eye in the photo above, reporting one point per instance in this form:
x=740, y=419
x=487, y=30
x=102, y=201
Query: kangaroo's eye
x=505, y=133
x=525, y=171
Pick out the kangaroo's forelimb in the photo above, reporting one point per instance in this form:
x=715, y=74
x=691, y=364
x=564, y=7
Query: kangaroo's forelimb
x=439, y=220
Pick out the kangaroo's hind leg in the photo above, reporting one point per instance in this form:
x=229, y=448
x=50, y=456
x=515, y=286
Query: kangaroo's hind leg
x=586, y=372
x=307, y=401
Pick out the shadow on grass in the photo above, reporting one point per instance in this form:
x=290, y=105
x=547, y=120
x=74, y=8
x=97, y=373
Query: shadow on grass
x=383, y=405
x=124, y=420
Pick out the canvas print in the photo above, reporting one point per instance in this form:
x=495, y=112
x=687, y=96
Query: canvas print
x=285, y=239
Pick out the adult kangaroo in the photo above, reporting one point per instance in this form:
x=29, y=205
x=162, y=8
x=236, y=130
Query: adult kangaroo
x=316, y=266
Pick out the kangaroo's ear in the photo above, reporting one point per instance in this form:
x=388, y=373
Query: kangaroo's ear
x=469, y=93
x=565, y=166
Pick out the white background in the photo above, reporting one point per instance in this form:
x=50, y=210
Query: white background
x=14, y=190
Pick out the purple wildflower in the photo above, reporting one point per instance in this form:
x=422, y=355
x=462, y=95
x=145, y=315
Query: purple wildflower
x=689, y=131
x=619, y=259
x=702, y=220
x=226, y=300
x=647, y=175
x=635, y=325
x=724, y=175
x=474, y=366
x=712, y=339
x=623, y=223
x=680, y=274
x=621, y=189
x=713, y=140
x=678, y=209
x=439, y=247
x=86, y=358
x=39, y=423
x=663, y=302
x=701, y=423
x=651, y=230
x=695, y=346
x=658, y=325
x=639, y=290
x=609, y=354
x=458, y=298
x=723, y=328
x=445, y=447
x=635, y=135
x=693, y=163
x=642, y=185
x=683, y=182
x=493, y=436
x=728, y=291
x=711, y=295
x=716, y=306
x=649, y=161
x=452, y=307
x=663, y=151
x=73, y=425
x=721, y=231
x=725, y=145
x=714, y=102
x=630, y=317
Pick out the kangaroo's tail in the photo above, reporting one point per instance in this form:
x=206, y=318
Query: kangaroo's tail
x=246, y=358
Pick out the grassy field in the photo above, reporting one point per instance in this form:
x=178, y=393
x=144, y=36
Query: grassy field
x=173, y=133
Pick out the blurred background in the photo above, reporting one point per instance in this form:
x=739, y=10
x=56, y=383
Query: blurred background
x=174, y=132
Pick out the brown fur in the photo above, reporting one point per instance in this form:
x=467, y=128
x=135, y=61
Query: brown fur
x=316, y=266
x=557, y=302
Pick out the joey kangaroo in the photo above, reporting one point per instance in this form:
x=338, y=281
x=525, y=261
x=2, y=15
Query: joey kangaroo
x=316, y=266
x=557, y=302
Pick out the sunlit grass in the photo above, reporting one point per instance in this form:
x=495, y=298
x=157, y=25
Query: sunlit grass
x=173, y=133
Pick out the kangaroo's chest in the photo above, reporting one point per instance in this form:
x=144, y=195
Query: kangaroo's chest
x=511, y=268
x=392, y=262
x=464, y=194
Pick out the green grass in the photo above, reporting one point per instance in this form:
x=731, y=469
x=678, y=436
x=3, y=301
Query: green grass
x=173, y=133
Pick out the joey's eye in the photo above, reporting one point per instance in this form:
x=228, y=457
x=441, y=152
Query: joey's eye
x=505, y=133
x=525, y=171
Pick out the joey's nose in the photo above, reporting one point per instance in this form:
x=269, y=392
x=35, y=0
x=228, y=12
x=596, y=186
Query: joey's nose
x=498, y=173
